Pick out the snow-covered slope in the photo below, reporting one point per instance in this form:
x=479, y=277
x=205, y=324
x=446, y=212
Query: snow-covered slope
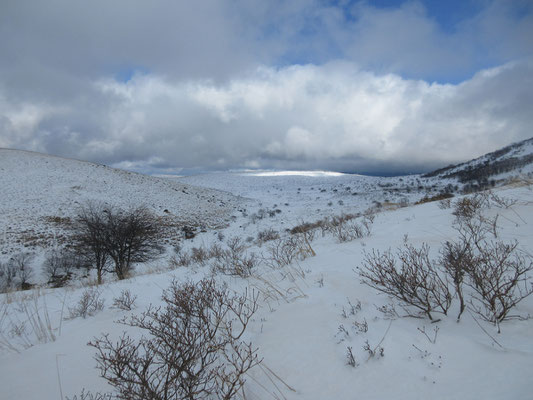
x=40, y=192
x=297, y=328
x=515, y=159
x=311, y=312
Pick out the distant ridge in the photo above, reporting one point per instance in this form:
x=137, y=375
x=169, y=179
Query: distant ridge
x=516, y=158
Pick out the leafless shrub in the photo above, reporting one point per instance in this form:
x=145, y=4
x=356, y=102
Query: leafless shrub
x=87, y=395
x=285, y=251
x=499, y=278
x=350, y=358
x=360, y=327
x=346, y=228
x=373, y=352
x=415, y=283
x=388, y=311
x=182, y=259
x=432, y=339
x=192, y=348
x=445, y=204
x=89, y=304
x=308, y=226
x=215, y=251
x=469, y=206
x=456, y=258
x=267, y=235
x=126, y=300
x=21, y=261
x=502, y=202
x=497, y=272
x=199, y=255
x=234, y=260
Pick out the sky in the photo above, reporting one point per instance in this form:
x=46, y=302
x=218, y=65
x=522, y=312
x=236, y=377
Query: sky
x=168, y=86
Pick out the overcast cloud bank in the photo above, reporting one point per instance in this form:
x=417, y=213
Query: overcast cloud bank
x=293, y=85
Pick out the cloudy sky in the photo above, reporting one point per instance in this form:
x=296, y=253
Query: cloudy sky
x=375, y=86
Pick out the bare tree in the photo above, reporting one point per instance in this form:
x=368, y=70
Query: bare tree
x=90, y=227
x=131, y=236
x=124, y=236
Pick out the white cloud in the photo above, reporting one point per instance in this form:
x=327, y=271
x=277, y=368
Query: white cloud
x=331, y=116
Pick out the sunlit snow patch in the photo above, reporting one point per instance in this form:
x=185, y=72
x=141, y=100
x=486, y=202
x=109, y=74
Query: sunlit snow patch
x=291, y=173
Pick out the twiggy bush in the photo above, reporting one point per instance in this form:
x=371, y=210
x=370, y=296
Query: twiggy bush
x=456, y=259
x=285, y=251
x=416, y=282
x=192, y=348
x=126, y=301
x=346, y=228
x=234, y=260
x=266, y=236
x=199, y=255
x=496, y=271
x=499, y=278
x=89, y=304
x=87, y=395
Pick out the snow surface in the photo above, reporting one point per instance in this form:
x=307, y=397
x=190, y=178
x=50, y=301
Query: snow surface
x=297, y=334
x=36, y=189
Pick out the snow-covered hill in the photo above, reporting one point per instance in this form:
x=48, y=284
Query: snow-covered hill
x=39, y=193
x=513, y=160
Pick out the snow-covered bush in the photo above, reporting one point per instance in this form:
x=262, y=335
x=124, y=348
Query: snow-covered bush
x=193, y=348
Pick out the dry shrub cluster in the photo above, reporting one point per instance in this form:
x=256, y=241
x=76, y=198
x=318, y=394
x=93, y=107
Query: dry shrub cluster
x=496, y=273
x=126, y=301
x=191, y=348
x=415, y=281
x=285, y=251
x=234, y=260
x=266, y=236
x=88, y=304
x=344, y=227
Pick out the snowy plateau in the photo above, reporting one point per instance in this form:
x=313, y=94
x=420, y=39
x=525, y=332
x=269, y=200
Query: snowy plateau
x=320, y=331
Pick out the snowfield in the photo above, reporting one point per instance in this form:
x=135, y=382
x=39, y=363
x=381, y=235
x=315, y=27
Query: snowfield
x=40, y=192
x=310, y=312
